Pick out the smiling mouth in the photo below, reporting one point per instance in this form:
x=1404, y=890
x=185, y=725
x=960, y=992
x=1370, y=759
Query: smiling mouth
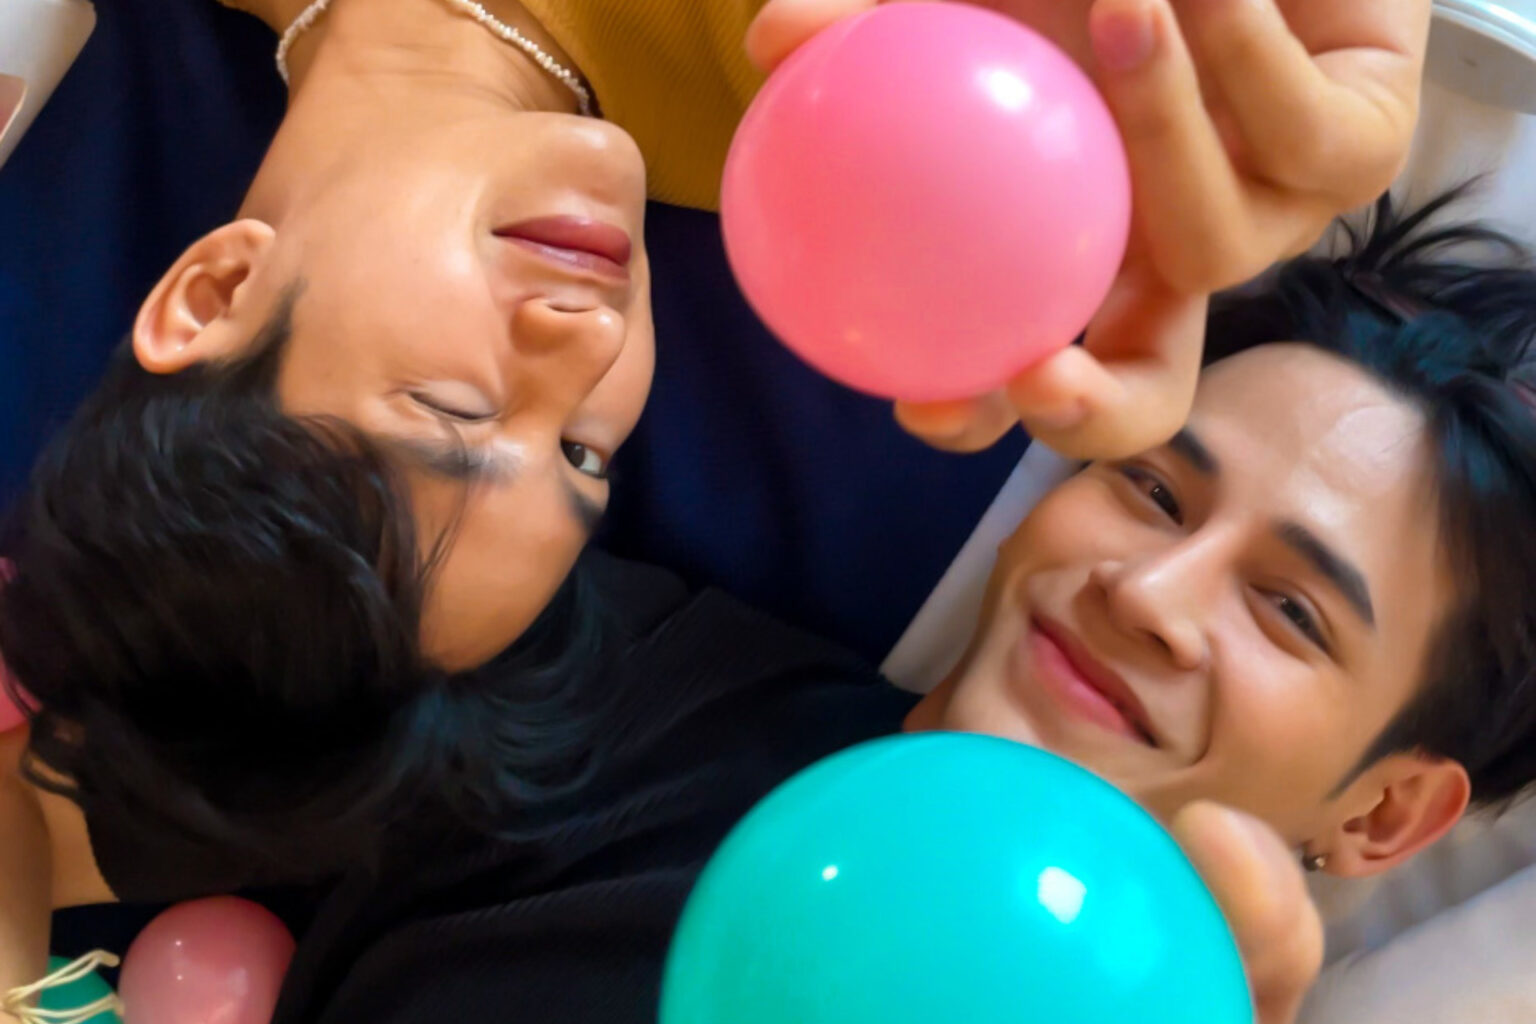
x=1082, y=687
x=577, y=242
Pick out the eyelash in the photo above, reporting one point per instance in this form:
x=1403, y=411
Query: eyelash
x=1142, y=478
x=1307, y=626
x=574, y=450
x=1160, y=494
x=453, y=414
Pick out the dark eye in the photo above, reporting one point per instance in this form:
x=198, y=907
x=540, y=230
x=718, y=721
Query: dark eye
x=1301, y=618
x=442, y=409
x=1155, y=490
x=586, y=460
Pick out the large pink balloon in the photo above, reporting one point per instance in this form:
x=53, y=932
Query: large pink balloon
x=925, y=199
x=213, y=961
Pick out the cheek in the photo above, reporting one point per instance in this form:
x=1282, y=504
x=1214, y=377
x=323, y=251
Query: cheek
x=623, y=393
x=415, y=273
x=1078, y=521
x=1280, y=738
x=507, y=558
x=317, y=379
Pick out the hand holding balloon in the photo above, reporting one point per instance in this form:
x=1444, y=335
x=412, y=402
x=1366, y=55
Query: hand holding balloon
x=1249, y=126
x=926, y=199
x=953, y=877
x=929, y=202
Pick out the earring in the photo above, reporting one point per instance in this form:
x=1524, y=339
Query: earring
x=1314, y=862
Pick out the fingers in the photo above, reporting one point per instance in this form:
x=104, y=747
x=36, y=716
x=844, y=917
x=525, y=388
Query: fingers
x=1336, y=119
x=1260, y=888
x=1112, y=412
x=1249, y=129
x=1278, y=97
x=1130, y=384
x=783, y=25
x=1189, y=202
x=965, y=426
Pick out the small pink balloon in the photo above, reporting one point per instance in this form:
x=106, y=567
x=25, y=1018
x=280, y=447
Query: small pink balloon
x=11, y=715
x=212, y=961
x=926, y=199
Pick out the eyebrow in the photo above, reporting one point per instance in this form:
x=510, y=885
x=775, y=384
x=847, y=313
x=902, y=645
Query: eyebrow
x=1342, y=574
x=1339, y=571
x=1193, y=451
x=469, y=465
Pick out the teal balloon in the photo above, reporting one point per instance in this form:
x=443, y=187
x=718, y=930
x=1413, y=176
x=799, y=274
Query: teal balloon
x=77, y=994
x=951, y=879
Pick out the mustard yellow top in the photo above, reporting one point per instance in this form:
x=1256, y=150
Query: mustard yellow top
x=672, y=73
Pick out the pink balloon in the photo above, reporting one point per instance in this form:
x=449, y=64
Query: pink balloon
x=926, y=199
x=11, y=715
x=213, y=961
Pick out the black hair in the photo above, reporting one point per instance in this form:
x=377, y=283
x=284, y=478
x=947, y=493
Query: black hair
x=215, y=609
x=1443, y=316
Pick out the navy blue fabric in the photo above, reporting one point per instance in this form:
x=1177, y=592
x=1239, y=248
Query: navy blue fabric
x=150, y=141
x=749, y=471
x=752, y=472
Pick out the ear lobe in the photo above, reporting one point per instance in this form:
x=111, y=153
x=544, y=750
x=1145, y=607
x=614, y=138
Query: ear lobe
x=201, y=310
x=1418, y=800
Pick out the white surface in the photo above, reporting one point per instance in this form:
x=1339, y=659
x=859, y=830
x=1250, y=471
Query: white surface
x=937, y=637
x=39, y=40
x=1486, y=51
x=1472, y=963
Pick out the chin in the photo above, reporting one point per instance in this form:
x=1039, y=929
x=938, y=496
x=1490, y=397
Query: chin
x=964, y=710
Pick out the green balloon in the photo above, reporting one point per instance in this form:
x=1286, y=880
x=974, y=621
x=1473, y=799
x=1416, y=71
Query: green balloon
x=77, y=994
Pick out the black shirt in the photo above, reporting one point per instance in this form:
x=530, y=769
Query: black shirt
x=569, y=921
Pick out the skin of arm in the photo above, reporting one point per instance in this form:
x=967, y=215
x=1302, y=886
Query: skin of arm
x=45, y=864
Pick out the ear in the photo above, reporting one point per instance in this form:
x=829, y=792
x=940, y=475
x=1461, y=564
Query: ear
x=1411, y=800
x=203, y=309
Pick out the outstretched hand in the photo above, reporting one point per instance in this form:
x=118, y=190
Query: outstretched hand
x=1249, y=125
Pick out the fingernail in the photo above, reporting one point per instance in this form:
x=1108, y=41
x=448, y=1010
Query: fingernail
x=1123, y=40
x=1063, y=418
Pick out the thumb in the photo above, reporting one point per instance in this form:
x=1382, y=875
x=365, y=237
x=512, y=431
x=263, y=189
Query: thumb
x=1261, y=890
x=783, y=25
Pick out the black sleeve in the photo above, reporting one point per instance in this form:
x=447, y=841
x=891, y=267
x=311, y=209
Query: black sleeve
x=566, y=919
x=587, y=955
x=150, y=865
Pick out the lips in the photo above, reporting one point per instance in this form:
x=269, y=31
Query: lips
x=578, y=242
x=1085, y=684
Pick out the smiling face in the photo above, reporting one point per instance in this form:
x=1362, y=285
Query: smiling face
x=473, y=293
x=508, y=313
x=1234, y=616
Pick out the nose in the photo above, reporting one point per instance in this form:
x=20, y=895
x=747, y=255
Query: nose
x=580, y=342
x=1158, y=600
